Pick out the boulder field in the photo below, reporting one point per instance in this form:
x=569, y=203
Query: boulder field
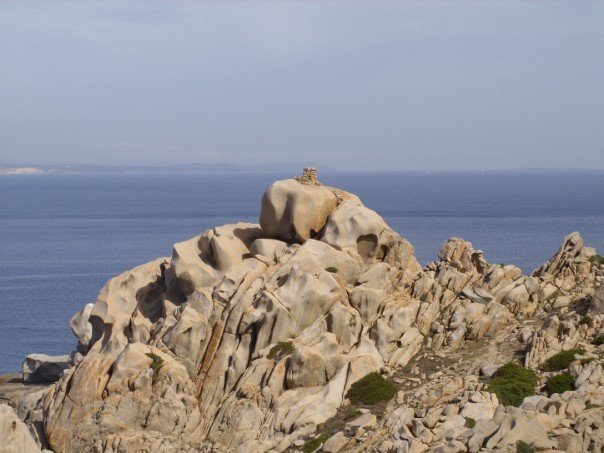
x=250, y=336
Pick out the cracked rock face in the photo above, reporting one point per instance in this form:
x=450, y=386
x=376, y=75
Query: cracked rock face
x=249, y=336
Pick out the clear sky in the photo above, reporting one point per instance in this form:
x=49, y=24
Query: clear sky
x=353, y=85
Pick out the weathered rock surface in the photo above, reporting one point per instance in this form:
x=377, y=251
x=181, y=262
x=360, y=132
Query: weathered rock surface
x=40, y=368
x=249, y=337
x=596, y=306
x=13, y=389
x=14, y=436
x=297, y=209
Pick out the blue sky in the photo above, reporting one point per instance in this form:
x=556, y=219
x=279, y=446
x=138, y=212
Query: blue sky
x=352, y=85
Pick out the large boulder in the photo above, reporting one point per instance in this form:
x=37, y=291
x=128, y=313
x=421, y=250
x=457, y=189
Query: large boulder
x=363, y=234
x=128, y=306
x=203, y=260
x=297, y=209
x=40, y=368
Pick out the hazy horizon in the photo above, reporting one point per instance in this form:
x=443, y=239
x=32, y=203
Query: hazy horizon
x=380, y=86
x=296, y=167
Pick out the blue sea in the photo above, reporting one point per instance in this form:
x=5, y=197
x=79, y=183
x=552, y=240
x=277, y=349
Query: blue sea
x=63, y=236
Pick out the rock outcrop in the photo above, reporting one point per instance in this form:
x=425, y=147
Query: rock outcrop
x=44, y=368
x=297, y=209
x=250, y=336
x=15, y=437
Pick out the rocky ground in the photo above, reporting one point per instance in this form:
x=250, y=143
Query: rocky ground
x=317, y=329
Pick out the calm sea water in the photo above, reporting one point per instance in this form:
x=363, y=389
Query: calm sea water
x=63, y=236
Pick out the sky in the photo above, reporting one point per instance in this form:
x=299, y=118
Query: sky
x=352, y=85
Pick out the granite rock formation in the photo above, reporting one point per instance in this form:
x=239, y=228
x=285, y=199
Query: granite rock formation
x=249, y=337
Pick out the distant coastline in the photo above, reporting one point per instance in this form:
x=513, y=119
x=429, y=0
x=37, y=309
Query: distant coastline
x=228, y=168
x=21, y=171
x=28, y=169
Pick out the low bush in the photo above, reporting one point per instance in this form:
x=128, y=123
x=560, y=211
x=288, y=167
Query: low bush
x=371, y=389
x=281, y=349
x=331, y=269
x=352, y=415
x=586, y=320
x=156, y=363
x=596, y=259
x=406, y=369
x=559, y=384
x=314, y=444
x=470, y=422
x=523, y=447
x=560, y=361
x=515, y=371
x=599, y=340
x=512, y=383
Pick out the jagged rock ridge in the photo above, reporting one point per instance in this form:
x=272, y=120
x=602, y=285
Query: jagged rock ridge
x=250, y=335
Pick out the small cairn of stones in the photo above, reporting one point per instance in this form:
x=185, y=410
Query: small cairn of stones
x=309, y=176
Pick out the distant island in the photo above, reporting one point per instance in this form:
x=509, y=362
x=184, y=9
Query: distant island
x=195, y=168
x=227, y=167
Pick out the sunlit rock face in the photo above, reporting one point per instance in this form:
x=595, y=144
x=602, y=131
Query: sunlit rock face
x=250, y=335
x=297, y=209
x=14, y=434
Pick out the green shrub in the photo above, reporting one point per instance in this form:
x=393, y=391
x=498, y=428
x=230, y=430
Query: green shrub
x=371, y=389
x=314, y=444
x=596, y=259
x=559, y=384
x=599, y=340
x=523, y=447
x=587, y=360
x=510, y=392
x=281, y=349
x=560, y=361
x=331, y=269
x=406, y=369
x=585, y=320
x=470, y=422
x=156, y=363
x=513, y=370
x=512, y=383
x=352, y=415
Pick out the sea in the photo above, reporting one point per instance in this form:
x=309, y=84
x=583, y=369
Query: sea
x=63, y=236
